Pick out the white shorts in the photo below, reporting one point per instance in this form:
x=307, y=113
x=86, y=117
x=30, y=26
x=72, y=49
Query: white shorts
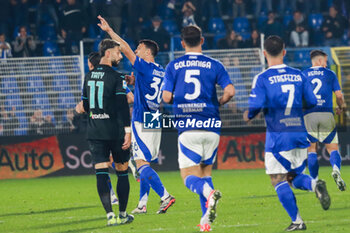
x=321, y=127
x=197, y=146
x=286, y=161
x=145, y=142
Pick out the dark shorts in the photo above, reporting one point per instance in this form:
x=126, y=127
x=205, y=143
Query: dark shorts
x=102, y=149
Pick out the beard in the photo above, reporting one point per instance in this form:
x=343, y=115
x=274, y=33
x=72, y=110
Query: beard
x=115, y=63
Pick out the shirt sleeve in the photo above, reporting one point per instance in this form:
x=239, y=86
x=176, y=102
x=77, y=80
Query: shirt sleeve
x=84, y=96
x=127, y=91
x=309, y=97
x=336, y=86
x=169, y=79
x=257, y=97
x=141, y=65
x=121, y=86
x=223, y=79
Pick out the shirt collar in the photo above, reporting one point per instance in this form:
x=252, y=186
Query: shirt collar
x=193, y=53
x=278, y=66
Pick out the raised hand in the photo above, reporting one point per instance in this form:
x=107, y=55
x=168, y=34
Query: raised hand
x=130, y=79
x=103, y=24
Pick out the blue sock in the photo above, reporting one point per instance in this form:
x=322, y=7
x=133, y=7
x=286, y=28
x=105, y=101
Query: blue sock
x=313, y=164
x=202, y=199
x=303, y=182
x=144, y=192
x=198, y=185
x=335, y=159
x=209, y=180
x=287, y=199
x=148, y=174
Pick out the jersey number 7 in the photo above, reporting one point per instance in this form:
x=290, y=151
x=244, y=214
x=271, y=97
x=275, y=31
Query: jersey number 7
x=291, y=89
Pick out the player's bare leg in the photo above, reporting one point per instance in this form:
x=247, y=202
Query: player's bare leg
x=335, y=161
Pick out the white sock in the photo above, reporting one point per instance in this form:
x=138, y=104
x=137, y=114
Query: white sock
x=313, y=184
x=110, y=214
x=143, y=201
x=298, y=220
x=336, y=168
x=122, y=213
x=206, y=190
x=165, y=195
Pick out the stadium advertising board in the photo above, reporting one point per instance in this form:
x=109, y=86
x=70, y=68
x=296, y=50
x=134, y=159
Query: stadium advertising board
x=30, y=159
x=241, y=152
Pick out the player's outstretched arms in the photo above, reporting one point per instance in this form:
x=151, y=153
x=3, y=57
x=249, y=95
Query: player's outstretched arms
x=124, y=46
x=167, y=97
x=340, y=102
x=229, y=92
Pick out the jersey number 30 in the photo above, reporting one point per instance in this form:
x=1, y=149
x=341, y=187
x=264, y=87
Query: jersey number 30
x=157, y=90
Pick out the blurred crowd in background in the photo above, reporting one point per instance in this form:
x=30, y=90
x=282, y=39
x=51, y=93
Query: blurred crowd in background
x=55, y=27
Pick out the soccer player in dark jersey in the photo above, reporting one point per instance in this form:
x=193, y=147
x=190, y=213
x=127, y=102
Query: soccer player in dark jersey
x=145, y=143
x=93, y=60
x=108, y=130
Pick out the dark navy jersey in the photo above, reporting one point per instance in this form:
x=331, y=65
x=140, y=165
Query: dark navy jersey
x=324, y=82
x=101, y=87
x=192, y=79
x=282, y=92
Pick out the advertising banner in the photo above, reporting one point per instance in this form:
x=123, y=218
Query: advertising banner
x=42, y=156
x=30, y=159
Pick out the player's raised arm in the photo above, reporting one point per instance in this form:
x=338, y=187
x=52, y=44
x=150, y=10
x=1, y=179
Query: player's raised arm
x=124, y=46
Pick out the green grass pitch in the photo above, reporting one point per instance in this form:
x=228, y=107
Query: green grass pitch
x=249, y=204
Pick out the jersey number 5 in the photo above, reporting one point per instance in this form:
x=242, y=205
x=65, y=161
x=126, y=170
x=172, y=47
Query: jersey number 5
x=93, y=85
x=291, y=89
x=195, y=81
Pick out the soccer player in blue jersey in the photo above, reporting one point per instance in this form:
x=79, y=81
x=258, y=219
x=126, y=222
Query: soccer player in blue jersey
x=319, y=120
x=147, y=97
x=282, y=92
x=190, y=82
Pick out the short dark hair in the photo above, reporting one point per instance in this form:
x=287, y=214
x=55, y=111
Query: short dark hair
x=94, y=58
x=106, y=44
x=191, y=35
x=152, y=45
x=316, y=53
x=274, y=45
